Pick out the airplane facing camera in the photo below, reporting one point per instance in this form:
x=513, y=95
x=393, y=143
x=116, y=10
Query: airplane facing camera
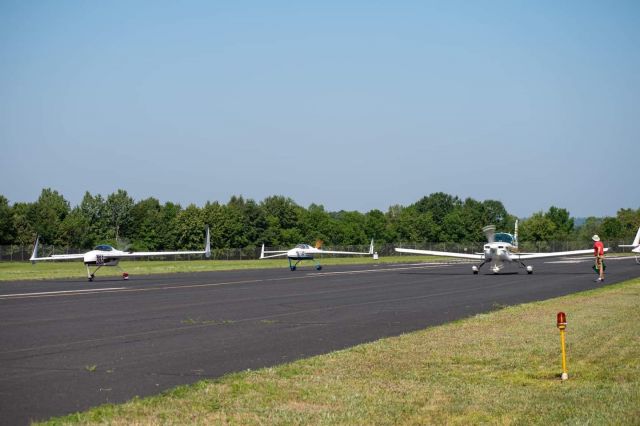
x=500, y=249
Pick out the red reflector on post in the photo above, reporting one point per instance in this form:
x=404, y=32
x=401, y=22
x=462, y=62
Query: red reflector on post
x=561, y=320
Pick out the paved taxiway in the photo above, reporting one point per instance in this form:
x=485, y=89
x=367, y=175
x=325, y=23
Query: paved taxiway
x=70, y=345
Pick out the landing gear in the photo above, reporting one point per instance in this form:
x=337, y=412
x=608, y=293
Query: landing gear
x=92, y=275
x=293, y=265
x=476, y=269
x=528, y=268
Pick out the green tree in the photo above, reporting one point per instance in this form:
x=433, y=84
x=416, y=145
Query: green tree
x=612, y=229
x=7, y=230
x=118, y=209
x=538, y=229
x=591, y=226
x=23, y=225
x=189, y=229
x=376, y=225
x=146, y=225
x=630, y=220
x=169, y=213
x=47, y=215
x=282, y=218
x=563, y=222
x=438, y=204
x=75, y=230
x=93, y=209
x=316, y=224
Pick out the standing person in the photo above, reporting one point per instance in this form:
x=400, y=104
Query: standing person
x=598, y=252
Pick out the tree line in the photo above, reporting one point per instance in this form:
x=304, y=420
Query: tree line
x=278, y=221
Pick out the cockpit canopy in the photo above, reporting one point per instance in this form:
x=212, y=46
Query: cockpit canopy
x=104, y=247
x=303, y=246
x=503, y=237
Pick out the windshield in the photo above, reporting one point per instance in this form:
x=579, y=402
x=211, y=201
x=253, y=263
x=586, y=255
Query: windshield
x=503, y=237
x=104, y=248
x=303, y=246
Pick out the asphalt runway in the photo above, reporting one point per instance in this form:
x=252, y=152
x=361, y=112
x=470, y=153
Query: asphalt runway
x=69, y=345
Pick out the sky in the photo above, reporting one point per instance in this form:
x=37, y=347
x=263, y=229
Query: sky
x=354, y=105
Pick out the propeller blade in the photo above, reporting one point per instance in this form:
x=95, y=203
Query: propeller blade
x=490, y=232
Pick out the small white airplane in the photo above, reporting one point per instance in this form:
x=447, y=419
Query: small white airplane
x=501, y=247
x=306, y=252
x=105, y=255
x=636, y=246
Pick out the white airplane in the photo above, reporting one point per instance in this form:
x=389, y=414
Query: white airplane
x=636, y=246
x=501, y=247
x=306, y=252
x=105, y=255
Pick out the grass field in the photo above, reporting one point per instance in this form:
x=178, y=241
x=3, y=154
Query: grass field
x=496, y=368
x=75, y=269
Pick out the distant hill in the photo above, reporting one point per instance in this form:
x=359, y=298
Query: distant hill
x=579, y=221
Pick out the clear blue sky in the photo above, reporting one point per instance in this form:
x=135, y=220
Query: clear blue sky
x=355, y=105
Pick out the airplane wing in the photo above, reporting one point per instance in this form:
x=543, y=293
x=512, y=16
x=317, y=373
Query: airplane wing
x=273, y=255
x=34, y=259
x=340, y=252
x=552, y=254
x=34, y=256
x=206, y=251
x=441, y=253
x=154, y=253
x=279, y=253
x=347, y=252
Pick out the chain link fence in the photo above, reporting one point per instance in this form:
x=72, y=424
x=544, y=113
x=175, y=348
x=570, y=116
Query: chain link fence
x=19, y=253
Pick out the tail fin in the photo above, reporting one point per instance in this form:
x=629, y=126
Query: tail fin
x=636, y=240
x=207, y=244
x=635, y=243
x=371, y=247
x=262, y=252
x=34, y=255
x=515, y=235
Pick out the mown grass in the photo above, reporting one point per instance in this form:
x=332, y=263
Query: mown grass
x=496, y=368
x=10, y=271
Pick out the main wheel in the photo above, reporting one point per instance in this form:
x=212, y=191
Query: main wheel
x=293, y=268
x=318, y=267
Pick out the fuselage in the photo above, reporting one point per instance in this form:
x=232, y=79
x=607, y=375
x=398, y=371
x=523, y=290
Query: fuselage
x=102, y=255
x=302, y=252
x=499, y=251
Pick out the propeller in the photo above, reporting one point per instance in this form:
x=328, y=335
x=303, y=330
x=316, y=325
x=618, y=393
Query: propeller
x=319, y=244
x=490, y=232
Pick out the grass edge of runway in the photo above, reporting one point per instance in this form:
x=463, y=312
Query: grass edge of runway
x=501, y=367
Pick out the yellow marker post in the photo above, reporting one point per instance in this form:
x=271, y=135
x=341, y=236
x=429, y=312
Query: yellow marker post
x=562, y=325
